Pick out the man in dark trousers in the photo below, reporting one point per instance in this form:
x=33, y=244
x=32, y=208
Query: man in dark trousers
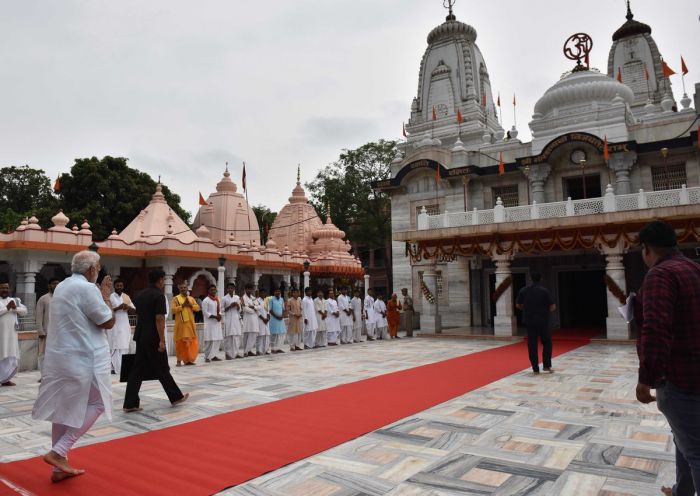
x=536, y=303
x=667, y=310
x=150, y=345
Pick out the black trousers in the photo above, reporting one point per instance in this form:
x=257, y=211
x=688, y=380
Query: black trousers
x=150, y=362
x=541, y=332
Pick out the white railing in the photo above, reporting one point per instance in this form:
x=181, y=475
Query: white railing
x=610, y=202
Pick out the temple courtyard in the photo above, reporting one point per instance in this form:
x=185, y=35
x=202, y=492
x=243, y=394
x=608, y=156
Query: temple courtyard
x=578, y=432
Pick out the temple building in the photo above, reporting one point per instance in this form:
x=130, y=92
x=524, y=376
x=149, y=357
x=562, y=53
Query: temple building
x=475, y=210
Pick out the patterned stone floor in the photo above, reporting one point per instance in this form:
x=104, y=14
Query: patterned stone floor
x=578, y=432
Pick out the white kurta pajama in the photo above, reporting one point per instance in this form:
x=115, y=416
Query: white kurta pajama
x=249, y=323
x=308, y=313
x=9, y=340
x=381, y=321
x=76, y=386
x=371, y=320
x=41, y=313
x=213, y=333
x=345, y=319
x=356, y=305
x=332, y=321
x=232, y=326
x=321, y=307
x=263, y=342
x=119, y=336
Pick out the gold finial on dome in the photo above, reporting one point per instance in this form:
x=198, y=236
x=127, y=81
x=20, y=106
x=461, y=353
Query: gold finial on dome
x=298, y=173
x=328, y=212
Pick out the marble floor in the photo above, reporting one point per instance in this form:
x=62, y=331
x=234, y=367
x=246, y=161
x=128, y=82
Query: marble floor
x=577, y=432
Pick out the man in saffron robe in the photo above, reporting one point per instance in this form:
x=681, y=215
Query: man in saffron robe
x=393, y=316
x=185, y=333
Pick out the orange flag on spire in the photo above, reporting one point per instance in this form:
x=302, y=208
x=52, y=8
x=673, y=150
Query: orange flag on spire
x=646, y=73
x=459, y=117
x=202, y=201
x=619, y=75
x=668, y=72
x=243, y=183
x=483, y=99
x=513, y=99
x=434, y=113
x=501, y=165
x=57, y=185
x=606, y=150
x=498, y=102
x=684, y=68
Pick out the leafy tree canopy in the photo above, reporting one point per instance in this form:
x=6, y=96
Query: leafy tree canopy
x=265, y=218
x=24, y=192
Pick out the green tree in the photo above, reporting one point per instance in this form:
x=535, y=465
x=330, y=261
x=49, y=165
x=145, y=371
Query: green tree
x=265, y=219
x=25, y=192
x=109, y=194
x=346, y=186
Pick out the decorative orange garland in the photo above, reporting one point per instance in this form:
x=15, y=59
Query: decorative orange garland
x=615, y=290
x=502, y=288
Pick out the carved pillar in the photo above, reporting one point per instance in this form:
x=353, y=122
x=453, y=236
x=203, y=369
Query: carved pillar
x=220, y=284
x=617, y=327
x=25, y=286
x=366, y=284
x=537, y=177
x=504, y=322
x=307, y=281
x=621, y=164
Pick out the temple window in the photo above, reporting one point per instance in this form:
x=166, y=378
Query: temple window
x=671, y=176
x=508, y=195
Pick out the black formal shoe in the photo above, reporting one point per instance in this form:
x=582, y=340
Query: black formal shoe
x=216, y=359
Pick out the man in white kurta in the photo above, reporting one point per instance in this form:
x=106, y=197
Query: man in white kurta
x=263, y=342
x=119, y=336
x=321, y=308
x=333, y=320
x=381, y=320
x=370, y=315
x=308, y=312
x=10, y=311
x=231, y=303
x=213, y=332
x=250, y=321
x=345, y=316
x=41, y=314
x=357, y=316
x=76, y=385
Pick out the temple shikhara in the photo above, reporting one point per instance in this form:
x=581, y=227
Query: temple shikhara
x=475, y=209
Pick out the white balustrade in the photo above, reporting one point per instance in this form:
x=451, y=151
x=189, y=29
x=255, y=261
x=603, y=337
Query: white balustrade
x=569, y=208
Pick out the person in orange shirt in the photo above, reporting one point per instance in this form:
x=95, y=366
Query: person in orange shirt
x=393, y=316
x=185, y=333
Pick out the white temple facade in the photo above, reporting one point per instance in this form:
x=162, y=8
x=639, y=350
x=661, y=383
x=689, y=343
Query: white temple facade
x=474, y=210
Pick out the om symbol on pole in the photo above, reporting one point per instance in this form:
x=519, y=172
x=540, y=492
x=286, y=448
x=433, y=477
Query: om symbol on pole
x=578, y=47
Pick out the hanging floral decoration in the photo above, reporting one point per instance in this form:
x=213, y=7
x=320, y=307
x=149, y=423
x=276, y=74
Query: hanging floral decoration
x=502, y=288
x=426, y=293
x=615, y=290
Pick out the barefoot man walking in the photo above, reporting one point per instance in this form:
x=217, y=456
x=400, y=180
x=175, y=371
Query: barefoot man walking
x=76, y=386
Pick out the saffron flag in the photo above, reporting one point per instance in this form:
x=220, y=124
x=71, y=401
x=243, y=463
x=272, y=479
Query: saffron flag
x=437, y=174
x=501, y=165
x=646, y=73
x=202, y=201
x=513, y=99
x=57, y=185
x=606, y=150
x=668, y=72
x=434, y=113
x=404, y=130
x=498, y=102
x=483, y=99
x=459, y=117
x=243, y=178
x=619, y=74
x=684, y=68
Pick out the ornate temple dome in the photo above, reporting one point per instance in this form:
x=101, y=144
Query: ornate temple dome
x=330, y=253
x=155, y=222
x=231, y=219
x=295, y=223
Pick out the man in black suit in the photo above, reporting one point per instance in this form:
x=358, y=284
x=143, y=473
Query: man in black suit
x=536, y=303
x=150, y=345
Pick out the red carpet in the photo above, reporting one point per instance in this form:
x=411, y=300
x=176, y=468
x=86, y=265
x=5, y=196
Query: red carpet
x=206, y=456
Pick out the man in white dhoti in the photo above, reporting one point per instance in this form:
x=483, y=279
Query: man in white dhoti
x=41, y=313
x=119, y=336
x=76, y=386
x=263, y=342
x=232, y=322
x=250, y=321
x=308, y=312
x=213, y=333
x=358, y=317
x=333, y=320
x=382, y=325
x=370, y=315
x=321, y=308
x=345, y=316
x=10, y=311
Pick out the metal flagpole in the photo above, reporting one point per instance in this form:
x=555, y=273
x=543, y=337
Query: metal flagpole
x=245, y=188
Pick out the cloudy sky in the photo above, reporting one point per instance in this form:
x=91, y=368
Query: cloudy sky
x=181, y=87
